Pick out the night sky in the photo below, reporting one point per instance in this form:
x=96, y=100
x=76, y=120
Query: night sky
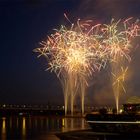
x=24, y=23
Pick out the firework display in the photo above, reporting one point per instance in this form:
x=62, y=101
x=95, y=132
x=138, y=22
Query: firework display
x=119, y=36
x=78, y=52
x=118, y=84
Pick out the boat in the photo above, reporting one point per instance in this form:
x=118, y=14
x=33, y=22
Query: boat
x=119, y=123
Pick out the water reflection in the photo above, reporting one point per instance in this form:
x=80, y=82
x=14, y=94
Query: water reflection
x=17, y=122
x=23, y=128
x=32, y=127
x=10, y=123
x=70, y=124
x=3, y=130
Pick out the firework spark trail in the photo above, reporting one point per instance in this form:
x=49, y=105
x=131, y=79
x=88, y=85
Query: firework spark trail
x=118, y=84
x=120, y=78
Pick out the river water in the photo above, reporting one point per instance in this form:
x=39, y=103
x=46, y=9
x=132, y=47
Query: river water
x=37, y=127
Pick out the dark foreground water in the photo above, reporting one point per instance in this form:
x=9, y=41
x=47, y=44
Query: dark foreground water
x=37, y=127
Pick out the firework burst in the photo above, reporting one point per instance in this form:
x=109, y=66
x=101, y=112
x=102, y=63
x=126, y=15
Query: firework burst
x=118, y=41
x=118, y=38
x=74, y=54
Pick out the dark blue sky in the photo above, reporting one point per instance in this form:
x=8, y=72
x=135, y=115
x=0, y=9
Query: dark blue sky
x=24, y=23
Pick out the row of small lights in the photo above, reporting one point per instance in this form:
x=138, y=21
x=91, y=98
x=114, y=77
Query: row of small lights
x=24, y=106
x=47, y=106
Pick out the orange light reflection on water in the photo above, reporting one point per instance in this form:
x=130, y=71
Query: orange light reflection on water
x=3, y=131
x=23, y=128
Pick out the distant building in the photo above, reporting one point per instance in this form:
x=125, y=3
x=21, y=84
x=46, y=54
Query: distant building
x=133, y=100
x=132, y=105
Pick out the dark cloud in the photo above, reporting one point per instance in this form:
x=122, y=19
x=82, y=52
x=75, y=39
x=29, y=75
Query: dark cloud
x=107, y=9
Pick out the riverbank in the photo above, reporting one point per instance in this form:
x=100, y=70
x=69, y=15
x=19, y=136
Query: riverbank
x=90, y=135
